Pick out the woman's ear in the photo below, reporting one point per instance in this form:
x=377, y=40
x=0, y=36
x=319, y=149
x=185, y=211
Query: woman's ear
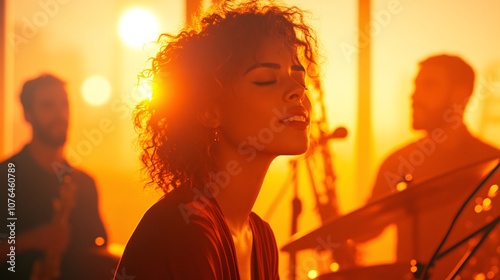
x=210, y=116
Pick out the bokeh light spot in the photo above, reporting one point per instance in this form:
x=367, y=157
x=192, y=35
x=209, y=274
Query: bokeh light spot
x=137, y=27
x=96, y=90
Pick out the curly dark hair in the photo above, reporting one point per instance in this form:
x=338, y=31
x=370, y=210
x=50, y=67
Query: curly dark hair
x=195, y=68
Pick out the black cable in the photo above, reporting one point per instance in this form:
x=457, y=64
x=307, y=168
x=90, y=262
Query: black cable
x=468, y=237
x=487, y=231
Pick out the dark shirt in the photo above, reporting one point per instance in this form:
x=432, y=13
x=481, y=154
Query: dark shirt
x=427, y=160
x=185, y=236
x=35, y=190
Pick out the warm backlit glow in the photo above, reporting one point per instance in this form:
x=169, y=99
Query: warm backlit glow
x=493, y=191
x=480, y=276
x=400, y=41
x=408, y=177
x=312, y=274
x=137, y=27
x=99, y=241
x=334, y=267
x=116, y=249
x=142, y=90
x=401, y=186
x=96, y=90
x=486, y=204
x=478, y=209
x=414, y=267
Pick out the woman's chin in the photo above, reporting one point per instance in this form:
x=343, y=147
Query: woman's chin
x=296, y=149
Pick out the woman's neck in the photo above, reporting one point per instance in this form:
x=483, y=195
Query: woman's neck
x=239, y=181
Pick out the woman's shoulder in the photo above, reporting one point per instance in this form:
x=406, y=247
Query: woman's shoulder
x=262, y=228
x=181, y=206
x=181, y=230
x=257, y=220
x=266, y=251
x=182, y=214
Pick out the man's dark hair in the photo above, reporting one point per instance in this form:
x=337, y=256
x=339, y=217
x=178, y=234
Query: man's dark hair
x=460, y=72
x=31, y=86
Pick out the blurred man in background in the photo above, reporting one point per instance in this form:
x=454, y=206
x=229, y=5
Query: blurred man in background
x=443, y=87
x=57, y=228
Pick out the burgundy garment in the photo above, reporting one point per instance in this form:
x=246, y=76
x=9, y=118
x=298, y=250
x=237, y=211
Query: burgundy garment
x=184, y=236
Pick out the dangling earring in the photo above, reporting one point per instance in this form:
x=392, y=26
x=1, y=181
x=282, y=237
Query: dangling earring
x=215, y=134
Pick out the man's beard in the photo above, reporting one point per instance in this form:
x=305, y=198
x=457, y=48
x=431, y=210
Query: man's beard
x=55, y=140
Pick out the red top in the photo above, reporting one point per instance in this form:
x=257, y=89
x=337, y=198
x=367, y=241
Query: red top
x=184, y=236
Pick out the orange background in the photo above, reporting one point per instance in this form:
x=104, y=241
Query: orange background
x=79, y=38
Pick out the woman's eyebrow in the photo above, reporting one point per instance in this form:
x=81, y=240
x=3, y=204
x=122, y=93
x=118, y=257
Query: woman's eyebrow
x=296, y=67
x=264, y=64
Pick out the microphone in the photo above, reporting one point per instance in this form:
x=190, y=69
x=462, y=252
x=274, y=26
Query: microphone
x=339, y=133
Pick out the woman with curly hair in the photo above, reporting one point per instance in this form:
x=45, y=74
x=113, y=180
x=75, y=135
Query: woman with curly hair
x=228, y=97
